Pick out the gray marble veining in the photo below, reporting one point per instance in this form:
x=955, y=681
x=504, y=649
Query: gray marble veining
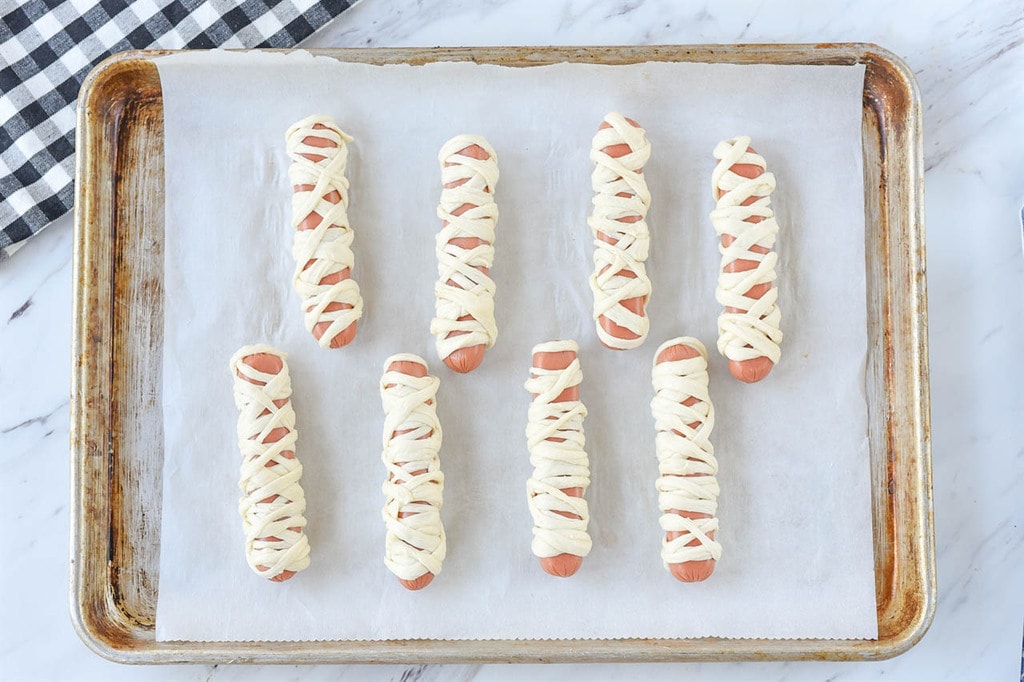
x=967, y=56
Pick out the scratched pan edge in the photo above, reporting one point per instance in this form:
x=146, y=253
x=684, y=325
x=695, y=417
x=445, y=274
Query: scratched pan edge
x=116, y=426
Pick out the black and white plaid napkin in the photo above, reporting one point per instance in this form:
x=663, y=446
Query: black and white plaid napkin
x=47, y=47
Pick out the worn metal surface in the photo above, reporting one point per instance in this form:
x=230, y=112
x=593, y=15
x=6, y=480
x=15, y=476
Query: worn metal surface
x=117, y=438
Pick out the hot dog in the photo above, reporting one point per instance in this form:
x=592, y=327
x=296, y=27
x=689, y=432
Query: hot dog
x=748, y=328
x=464, y=326
x=687, y=487
x=561, y=471
x=415, y=544
x=272, y=504
x=322, y=246
x=621, y=240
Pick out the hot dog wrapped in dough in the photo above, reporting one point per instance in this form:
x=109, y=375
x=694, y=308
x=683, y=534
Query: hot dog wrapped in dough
x=415, y=543
x=464, y=325
x=272, y=504
x=687, y=488
x=621, y=240
x=748, y=327
x=322, y=245
x=561, y=468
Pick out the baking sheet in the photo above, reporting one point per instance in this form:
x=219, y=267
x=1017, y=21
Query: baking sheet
x=795, y=506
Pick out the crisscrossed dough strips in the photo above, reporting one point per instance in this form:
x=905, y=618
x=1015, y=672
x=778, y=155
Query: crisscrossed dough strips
x=557, y=465
x=471, y=292
x=272, y=504
x=327, y=248
x=686, y=458
x=415, y=543
x=754, y=333
x=629, y=241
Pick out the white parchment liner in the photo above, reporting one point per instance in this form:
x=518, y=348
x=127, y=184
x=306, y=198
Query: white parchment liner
x=795, y=503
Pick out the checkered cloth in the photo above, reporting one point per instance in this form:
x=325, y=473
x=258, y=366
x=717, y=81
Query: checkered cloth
x=47, y=47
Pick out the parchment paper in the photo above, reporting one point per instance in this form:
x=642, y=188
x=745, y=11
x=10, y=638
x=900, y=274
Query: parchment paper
x=795, y=502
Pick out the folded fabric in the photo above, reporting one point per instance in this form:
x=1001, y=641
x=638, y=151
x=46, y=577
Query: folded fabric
x=47, y=47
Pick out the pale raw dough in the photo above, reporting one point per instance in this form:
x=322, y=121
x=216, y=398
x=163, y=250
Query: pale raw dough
x=472, y=291
x=329, y=245
x=557, y=465
x=754, y=333
x=257, y=480
x=611, y=177
x=415, y=544
x=686, y=458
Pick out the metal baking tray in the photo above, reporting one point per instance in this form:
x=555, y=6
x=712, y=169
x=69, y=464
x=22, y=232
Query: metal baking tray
x=117, y=432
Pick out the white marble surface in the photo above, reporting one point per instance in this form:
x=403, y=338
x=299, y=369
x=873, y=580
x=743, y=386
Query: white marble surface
x=968, y=58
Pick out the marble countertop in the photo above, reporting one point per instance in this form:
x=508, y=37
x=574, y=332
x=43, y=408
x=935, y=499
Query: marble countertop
x=967, y=56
